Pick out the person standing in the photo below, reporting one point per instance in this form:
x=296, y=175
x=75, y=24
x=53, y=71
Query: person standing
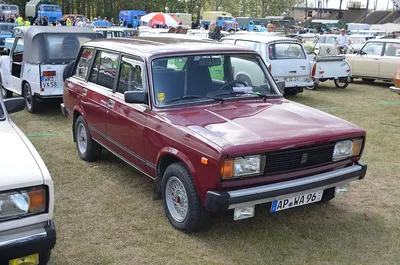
x=27, y=22
x=270, y=28
x=69, y=22
x=58, y=24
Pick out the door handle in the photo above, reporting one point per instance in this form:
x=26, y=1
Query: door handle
x=111, y=103
x=84, y=91
x=102, y=102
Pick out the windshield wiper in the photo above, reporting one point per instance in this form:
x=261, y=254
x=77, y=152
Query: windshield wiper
x=265, y=96
x=193, y=97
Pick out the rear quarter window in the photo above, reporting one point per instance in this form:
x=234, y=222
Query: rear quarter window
x=282, y=51
x=82, y=68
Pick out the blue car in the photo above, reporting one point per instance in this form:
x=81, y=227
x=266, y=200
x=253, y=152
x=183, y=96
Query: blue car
x=6, y=31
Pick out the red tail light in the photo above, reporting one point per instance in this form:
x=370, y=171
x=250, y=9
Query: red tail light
x=314, y=69
x=49, y=73
x=270, y=67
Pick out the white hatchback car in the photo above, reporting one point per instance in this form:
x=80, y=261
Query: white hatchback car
x=286, y=59
x=27, y=232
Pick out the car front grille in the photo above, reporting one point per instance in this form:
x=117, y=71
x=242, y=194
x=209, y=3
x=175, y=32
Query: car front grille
x=295, y=159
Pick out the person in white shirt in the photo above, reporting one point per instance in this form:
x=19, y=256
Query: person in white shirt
x=58, y=24
x=81, y=23
x=342, y=41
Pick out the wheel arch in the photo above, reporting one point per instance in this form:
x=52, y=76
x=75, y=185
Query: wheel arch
x=76, y=112
x=166, y=157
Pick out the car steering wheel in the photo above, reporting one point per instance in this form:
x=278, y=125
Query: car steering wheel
x=232, y=83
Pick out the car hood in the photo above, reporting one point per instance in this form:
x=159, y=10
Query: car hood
x=254, y=126
x=18, y=168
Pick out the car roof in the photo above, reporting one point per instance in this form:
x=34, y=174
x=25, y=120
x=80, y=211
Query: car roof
x=259, y=37
x=385, y=40
x=148, y=46
x=31, y=31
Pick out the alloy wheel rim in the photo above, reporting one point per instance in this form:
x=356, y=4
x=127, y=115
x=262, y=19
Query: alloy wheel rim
x=177, y=199
x=82, y=138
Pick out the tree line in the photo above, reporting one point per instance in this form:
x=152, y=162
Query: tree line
x=111, y=8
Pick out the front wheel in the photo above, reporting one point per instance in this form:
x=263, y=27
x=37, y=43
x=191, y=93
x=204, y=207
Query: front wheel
x=88, y=149
x=30, y=102
x=341, y=83
x=181, y=202
x=5, y=93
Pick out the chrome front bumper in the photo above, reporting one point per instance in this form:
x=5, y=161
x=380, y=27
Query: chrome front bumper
x=395, y=89
x=225, y=200
x=27, y=240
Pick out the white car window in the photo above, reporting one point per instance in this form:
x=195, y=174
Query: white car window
x=248, y=44
x=392, y=49
x=372, y=48
x=281, y=51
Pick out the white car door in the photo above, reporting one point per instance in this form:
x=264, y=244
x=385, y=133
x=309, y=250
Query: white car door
x=5, y=71
x=366, y=62
x=16, y=64
x=390, y=61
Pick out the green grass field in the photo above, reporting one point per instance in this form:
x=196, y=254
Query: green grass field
x=104, y=212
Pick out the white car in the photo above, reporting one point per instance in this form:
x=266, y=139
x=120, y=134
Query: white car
x=34, y=67
x=357, y=41
x=377, y=59
x=27, y=232
x=205, y=33
x=286, y=58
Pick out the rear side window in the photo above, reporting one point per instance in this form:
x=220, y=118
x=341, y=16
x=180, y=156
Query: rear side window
x=282, y=51
x=84, y=63
x=248, y=44
x=130, y=77
x=104, y=69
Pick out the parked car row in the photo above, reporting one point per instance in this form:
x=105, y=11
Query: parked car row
x=206, y=121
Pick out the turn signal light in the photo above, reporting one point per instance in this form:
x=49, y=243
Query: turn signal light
x=227, y=169
x=37, y=200
x=270, y=67
x=357, y=145
x=314, y=69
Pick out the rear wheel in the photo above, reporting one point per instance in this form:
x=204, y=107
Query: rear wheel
x=341, y=82
x=88, y=149
x=313, y=87
x=368, y=80
x=30, y=102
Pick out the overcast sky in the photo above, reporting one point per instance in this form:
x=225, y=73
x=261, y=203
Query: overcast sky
x=382, y=4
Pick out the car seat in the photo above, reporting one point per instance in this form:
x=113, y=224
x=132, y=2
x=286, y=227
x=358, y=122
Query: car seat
x=198, y=80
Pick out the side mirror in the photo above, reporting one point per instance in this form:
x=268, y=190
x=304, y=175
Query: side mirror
x=136, y=97
x=281, y=86
x=14, y=104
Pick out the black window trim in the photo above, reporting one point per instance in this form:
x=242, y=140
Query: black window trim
x=97, y=50
x=137, y=62
x=77, y=62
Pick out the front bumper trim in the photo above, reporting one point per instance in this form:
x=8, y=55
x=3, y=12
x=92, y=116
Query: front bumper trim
x=225, y=200
x=395, y=89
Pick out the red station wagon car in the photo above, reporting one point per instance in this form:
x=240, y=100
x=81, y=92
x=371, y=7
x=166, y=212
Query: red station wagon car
x=181, y=112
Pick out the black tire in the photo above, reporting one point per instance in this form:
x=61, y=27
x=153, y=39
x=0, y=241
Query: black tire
x=338, y=84
x=68, y=70
x=92, y=152
x=4, y=92
x=30, y=102
x=44, y=257
x=328, y=195
x=197, y=217
x=290, y=92
x=368, y=80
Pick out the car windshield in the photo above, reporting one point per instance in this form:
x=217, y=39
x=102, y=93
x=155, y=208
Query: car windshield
x=50, y=8
x=281, y=51
x=8, y=28
x=358, y=40
x=190, y=79
x=60, y=47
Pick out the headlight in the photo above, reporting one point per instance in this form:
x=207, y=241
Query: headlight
x=346, y=149
x=22, y=203
x=242, y=166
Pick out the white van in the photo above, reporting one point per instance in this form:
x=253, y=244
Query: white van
x=286, y=58
x=34, y=67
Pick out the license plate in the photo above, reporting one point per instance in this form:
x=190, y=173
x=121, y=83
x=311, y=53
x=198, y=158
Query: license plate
x=50, y=81
x=291, y=79
x=284, y=204
x=31, y=259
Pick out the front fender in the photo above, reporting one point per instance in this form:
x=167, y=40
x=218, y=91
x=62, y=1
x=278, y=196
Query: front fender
x=178, y=154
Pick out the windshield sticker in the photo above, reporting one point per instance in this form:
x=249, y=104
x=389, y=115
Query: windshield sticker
x=161, y=97
x=245, y=89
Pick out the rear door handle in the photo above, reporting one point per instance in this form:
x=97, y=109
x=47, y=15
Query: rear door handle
x=102, y=102
x=111, y=103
